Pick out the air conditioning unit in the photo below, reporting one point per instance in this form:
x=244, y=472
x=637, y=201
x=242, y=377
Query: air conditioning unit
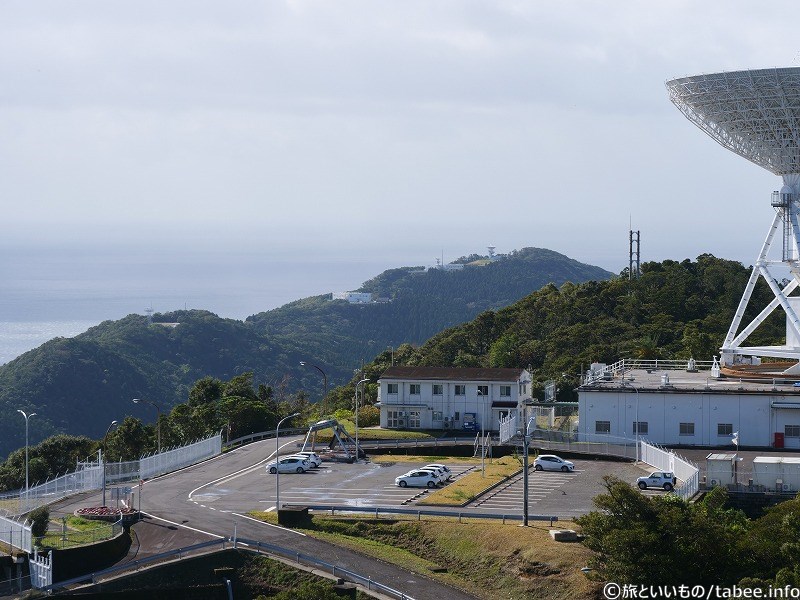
x=714, y=482
x=787, y=487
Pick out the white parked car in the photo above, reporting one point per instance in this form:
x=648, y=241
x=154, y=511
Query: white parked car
x=658, y=479
x=417, y=478
x=312, y=457
x=443, y=468
x=289, y=464
x=551, y=462
x=438, y=475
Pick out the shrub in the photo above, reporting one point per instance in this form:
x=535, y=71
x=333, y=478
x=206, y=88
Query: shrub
x=39, y=518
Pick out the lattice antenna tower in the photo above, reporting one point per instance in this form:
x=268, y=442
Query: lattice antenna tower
x=149, y=312
x=756, y=114
x=634, y=252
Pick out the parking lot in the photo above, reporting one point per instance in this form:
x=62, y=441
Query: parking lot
x=371, y=485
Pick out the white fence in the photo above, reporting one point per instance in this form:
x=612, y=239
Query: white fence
x=89, y=476
x=16, y=534
x=172, y=460
x=41, y=568
x=665, y=460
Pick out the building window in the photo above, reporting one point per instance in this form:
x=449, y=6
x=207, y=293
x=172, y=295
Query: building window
x=461, y=390
x=483, y=390
x=602, y=426
x=640, y=427
x=414, y=389
x=724, y=428
x=437, y=415
x=791, y=431
x=686, y=429
x=438, y=389
x=457, y=417
x=391, y=388
x=394, y=419
x=505, y=390
x=413, y=419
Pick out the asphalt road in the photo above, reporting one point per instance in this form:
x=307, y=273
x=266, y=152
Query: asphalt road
x=208, y=500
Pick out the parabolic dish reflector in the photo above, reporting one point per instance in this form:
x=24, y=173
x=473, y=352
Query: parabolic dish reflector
x=755, y=114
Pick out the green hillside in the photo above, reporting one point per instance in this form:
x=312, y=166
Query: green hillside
x=675, y=311
x=79, y=385
x=420, y=304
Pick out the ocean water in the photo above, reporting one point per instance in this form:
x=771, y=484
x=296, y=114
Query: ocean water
x=48, y=294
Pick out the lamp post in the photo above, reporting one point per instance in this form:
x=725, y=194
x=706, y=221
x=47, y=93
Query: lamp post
x=324, y=385
x=483, y=435
x=278, y=461
x=158, y=421
x=635, y=389
x=526, y=440
x=103, y=454
x=358, y=452
x=27, y=416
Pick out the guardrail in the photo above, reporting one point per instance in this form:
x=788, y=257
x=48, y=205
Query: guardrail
x=262, y=435
x=223, y=543
x=472, y=514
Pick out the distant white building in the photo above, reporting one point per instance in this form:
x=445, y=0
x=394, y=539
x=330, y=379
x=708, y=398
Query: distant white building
x=451, y=398
x=353, y=297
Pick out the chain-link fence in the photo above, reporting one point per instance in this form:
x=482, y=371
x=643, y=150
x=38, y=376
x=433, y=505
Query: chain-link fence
x=566, y=441
x=16, y=534
x=175, y=459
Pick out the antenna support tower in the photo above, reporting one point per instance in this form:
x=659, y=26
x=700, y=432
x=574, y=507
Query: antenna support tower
x=756, y=114
x=634, y=265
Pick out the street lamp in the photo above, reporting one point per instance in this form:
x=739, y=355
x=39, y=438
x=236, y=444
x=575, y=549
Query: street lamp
x=27, y=416
x=358, y=453
x=483, y=434
x=324, y=384
x=103, y=454
x=526, y=440
x=278, y=461
x=158, y=418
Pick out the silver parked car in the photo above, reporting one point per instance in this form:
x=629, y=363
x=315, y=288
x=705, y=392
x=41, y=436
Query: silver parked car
x=289, y=464
x=551, y=462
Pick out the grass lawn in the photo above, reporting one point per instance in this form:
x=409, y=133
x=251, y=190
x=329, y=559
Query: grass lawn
x=490, y=560
x=369, y=433
x=78, y=532
x=469, y=486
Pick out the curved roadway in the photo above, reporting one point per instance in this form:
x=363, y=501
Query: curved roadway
x=208, y=500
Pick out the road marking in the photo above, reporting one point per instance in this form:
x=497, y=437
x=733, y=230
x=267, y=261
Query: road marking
x=270, y=524
x=235, y=474
x=184, y=526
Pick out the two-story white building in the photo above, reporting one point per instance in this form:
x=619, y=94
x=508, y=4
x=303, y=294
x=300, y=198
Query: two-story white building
x=451, y=398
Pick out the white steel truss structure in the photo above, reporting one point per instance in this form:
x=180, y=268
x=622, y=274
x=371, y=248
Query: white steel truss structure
x=756, y=114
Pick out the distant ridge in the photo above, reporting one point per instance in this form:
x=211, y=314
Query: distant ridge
x=79, y=385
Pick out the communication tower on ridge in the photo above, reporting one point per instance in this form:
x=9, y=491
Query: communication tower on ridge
x=149, y=312
x=756, y=114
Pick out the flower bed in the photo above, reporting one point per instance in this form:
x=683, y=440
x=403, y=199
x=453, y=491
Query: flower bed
x=106, y=513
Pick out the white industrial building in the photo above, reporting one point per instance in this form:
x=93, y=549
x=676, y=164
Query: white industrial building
x=678, y=407
x=353, y=297
x=451, y=398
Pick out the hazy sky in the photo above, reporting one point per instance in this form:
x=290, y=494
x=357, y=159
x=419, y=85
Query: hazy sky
x=396, y=130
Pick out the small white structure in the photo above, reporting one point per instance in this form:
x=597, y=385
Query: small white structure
x=777, y=473
x=353, y=297
x=721, y=469
x=469, y=399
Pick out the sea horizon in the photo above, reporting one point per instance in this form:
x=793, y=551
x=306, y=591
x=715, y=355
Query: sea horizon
x=45, y=298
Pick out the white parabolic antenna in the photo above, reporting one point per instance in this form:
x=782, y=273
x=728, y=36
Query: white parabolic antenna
x=756, y=114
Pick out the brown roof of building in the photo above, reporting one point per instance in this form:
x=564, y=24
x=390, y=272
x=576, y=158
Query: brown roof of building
x=452, y=373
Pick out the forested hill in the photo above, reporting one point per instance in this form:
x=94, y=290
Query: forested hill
x=675, y=311
x=420, y=304
x=79, y=385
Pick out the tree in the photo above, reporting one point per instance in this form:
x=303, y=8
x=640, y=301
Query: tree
x=39, y=518
x=663, y=540
x=205, y=390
